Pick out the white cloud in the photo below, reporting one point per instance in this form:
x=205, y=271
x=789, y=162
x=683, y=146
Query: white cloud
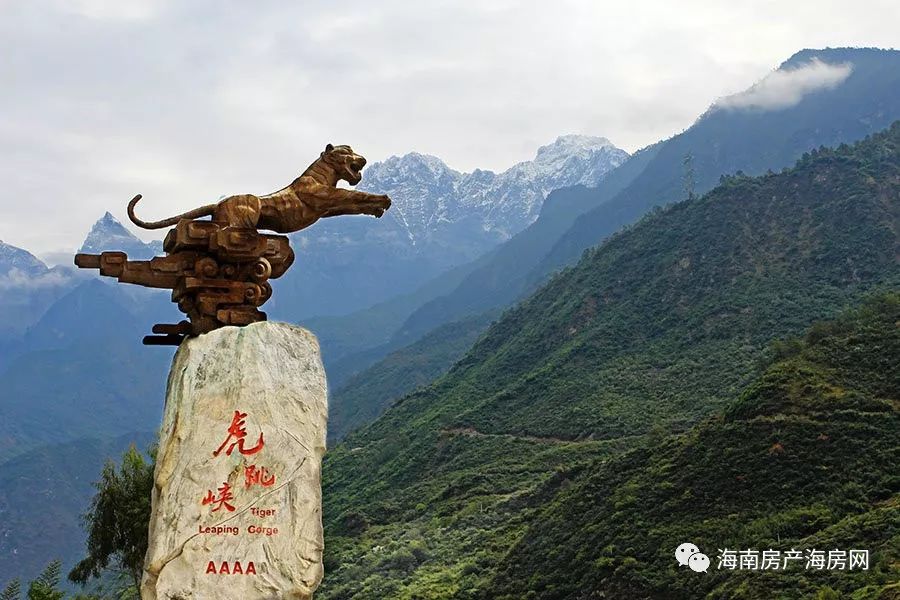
x=15, y=279
x=52, y=258
x=114, y=10
x=787, y=87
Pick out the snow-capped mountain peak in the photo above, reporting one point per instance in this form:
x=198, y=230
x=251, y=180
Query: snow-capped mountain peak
x=22, y=261
x=109, y=234
x=428, y=195
x=570, y=145
x=409, y=168
x=432, y=163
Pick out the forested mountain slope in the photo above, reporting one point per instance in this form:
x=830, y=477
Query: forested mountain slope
x=371, y=392
x=806, y=458
x=655, y=330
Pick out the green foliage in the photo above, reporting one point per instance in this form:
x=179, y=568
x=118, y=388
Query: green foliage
x=371, y=392
x=61, y=476
x=117, y=520
x=804, y=459
x=688, y=178
x=44, y=587
x=655, y=331
x=12, y=591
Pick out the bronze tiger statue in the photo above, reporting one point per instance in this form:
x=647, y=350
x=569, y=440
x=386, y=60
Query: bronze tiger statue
x=312, y=196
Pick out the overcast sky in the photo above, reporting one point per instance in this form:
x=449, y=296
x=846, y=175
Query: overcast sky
x=185, y=101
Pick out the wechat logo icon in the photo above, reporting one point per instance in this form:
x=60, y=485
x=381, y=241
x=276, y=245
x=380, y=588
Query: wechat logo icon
x=689, y=555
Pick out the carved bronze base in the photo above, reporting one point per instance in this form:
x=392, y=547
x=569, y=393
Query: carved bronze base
x=218, y=275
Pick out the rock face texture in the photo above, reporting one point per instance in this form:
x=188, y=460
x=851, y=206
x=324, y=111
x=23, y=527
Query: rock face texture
x=237, y=498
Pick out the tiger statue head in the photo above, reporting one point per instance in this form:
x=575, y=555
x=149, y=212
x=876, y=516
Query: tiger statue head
x=345, y=162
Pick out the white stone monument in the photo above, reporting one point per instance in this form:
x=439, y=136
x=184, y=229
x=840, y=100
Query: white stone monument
x=237, y=501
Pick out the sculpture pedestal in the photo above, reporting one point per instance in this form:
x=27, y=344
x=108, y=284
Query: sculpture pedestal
x=237, y=501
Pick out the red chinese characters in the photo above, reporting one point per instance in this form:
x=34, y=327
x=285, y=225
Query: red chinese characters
x=236, y=433
x=221, y=500
x=254, y=475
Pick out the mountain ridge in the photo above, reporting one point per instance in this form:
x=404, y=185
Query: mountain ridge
x=107, y=233
x=503, y=202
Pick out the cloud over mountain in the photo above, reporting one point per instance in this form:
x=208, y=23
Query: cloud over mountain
x=787, y=87
x=19, y=280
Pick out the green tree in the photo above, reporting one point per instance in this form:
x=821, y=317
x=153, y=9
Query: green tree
x=117, y=519
x=13, y=591
x=688, y=176
x=44, y=587
x=826, y=593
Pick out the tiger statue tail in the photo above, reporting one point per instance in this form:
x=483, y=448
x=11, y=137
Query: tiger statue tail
x=203, y=211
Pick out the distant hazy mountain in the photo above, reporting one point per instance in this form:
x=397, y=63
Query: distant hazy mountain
x=109, y=234
x=17, y=259
x=440, y=218
x=369, y=393
x=81, y=370
x=27, y=288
